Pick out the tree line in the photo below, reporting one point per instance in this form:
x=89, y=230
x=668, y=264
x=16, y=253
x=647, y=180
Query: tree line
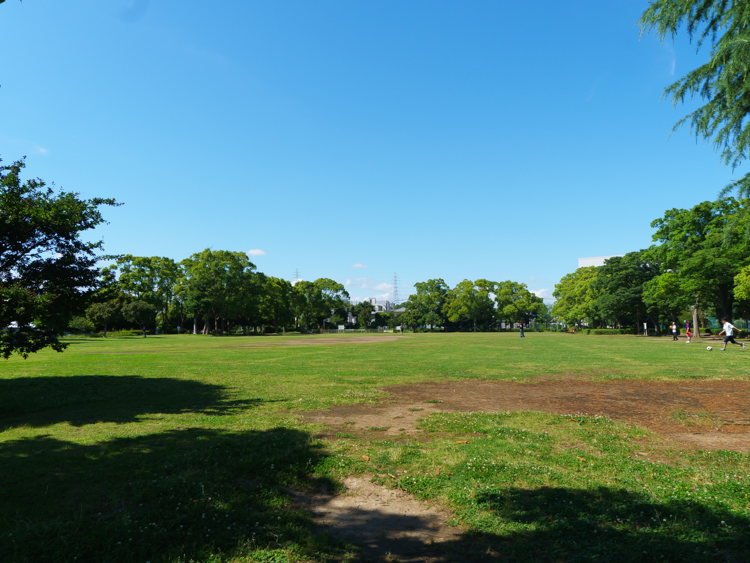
x=216, y=292
x=480, y=305
x=699, y=266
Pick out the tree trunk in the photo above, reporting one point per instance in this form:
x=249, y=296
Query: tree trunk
x=696, y=328
x=655, y=320
x=143, y=328
x=105, y=330
x=195, y=325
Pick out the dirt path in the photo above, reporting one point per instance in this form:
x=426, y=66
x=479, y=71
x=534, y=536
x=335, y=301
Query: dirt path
x=388, y=525
x=278, y=341
x=704, y=414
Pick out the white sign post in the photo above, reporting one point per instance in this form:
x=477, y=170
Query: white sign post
x=342, y=328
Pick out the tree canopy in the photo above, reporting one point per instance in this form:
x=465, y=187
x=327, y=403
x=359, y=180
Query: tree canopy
x=47, y=273
x=723, y=82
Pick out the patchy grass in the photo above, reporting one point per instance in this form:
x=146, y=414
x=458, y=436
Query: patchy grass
x=181, y=448
x=552, y=488
x=695, y=419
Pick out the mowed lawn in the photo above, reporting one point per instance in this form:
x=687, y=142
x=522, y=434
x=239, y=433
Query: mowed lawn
x=184, y=448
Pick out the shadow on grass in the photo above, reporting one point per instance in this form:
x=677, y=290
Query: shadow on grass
x=207, y=495
x=605, y=524
x=554, y=525
x=88, y=399
x=176, y=496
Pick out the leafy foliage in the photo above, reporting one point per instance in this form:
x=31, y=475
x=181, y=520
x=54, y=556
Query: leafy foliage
x=141, y=313
x=576, y=296
x=723, y=82
x=47, y=273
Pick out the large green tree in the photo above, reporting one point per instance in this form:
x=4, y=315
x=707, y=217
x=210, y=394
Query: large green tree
x=426, y=305
x=471, y=301
x=275, y=301
x=619, y=284
x=669, y=294
x=515, y=303
x=314, y=301
x=576, y=297
x=102, y=314
x=141, y=313
x=723, y=82
x=220, y=286
x=47, y=273
x=693, y=243
x=150, y=278
x=363, y=312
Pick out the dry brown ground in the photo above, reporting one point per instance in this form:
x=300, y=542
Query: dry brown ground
x=273, y=341
x=388, y=525
x=392, y=526
x=704, y=414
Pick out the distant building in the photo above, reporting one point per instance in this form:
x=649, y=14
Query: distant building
x=596, y=260
x=385, y=307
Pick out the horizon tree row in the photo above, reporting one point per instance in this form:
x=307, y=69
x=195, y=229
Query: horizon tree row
x=699, y=264
x=213, y=291
x=481, y=305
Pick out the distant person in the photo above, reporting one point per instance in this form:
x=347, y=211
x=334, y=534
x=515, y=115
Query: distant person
x=688, y=334
x=728, y=334
x=674, y=331
x=520, y=326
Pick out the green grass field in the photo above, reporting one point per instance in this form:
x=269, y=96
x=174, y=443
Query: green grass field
x=183, y=448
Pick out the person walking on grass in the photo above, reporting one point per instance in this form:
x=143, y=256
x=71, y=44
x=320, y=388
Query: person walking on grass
x=674, y=331
x=521, y=327
x=728, y=334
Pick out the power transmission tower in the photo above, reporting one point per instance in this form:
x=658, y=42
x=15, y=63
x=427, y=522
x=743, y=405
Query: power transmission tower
x=296, y=275
x=395, y=290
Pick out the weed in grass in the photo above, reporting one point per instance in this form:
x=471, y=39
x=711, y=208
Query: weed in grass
x=530, y=499
x=187, y=452
x=699, y=419
x=182, y=494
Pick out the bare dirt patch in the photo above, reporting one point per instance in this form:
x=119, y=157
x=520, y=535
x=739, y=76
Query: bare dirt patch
x=660, y=406
x=129, y=352
x=388, y=525
x=276, y=341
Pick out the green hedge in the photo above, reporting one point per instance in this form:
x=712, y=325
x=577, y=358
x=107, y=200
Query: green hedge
x=601, y=331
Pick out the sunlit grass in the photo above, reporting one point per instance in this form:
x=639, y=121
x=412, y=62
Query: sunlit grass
x=183, y=448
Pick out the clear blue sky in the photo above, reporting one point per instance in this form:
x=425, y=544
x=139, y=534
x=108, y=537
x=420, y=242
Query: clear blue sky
x=430, y=138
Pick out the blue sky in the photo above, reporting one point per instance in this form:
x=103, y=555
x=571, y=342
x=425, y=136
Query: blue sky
x=353, y=140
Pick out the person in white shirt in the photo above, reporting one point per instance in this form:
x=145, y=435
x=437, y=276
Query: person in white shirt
x=729, y=335
x=674, y=330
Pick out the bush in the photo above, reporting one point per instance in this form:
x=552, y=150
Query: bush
x=707, y=331
x=610, y=331
x=81, y=324
x=127, y=333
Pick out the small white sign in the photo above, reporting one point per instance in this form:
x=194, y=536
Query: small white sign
x=342, y=327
